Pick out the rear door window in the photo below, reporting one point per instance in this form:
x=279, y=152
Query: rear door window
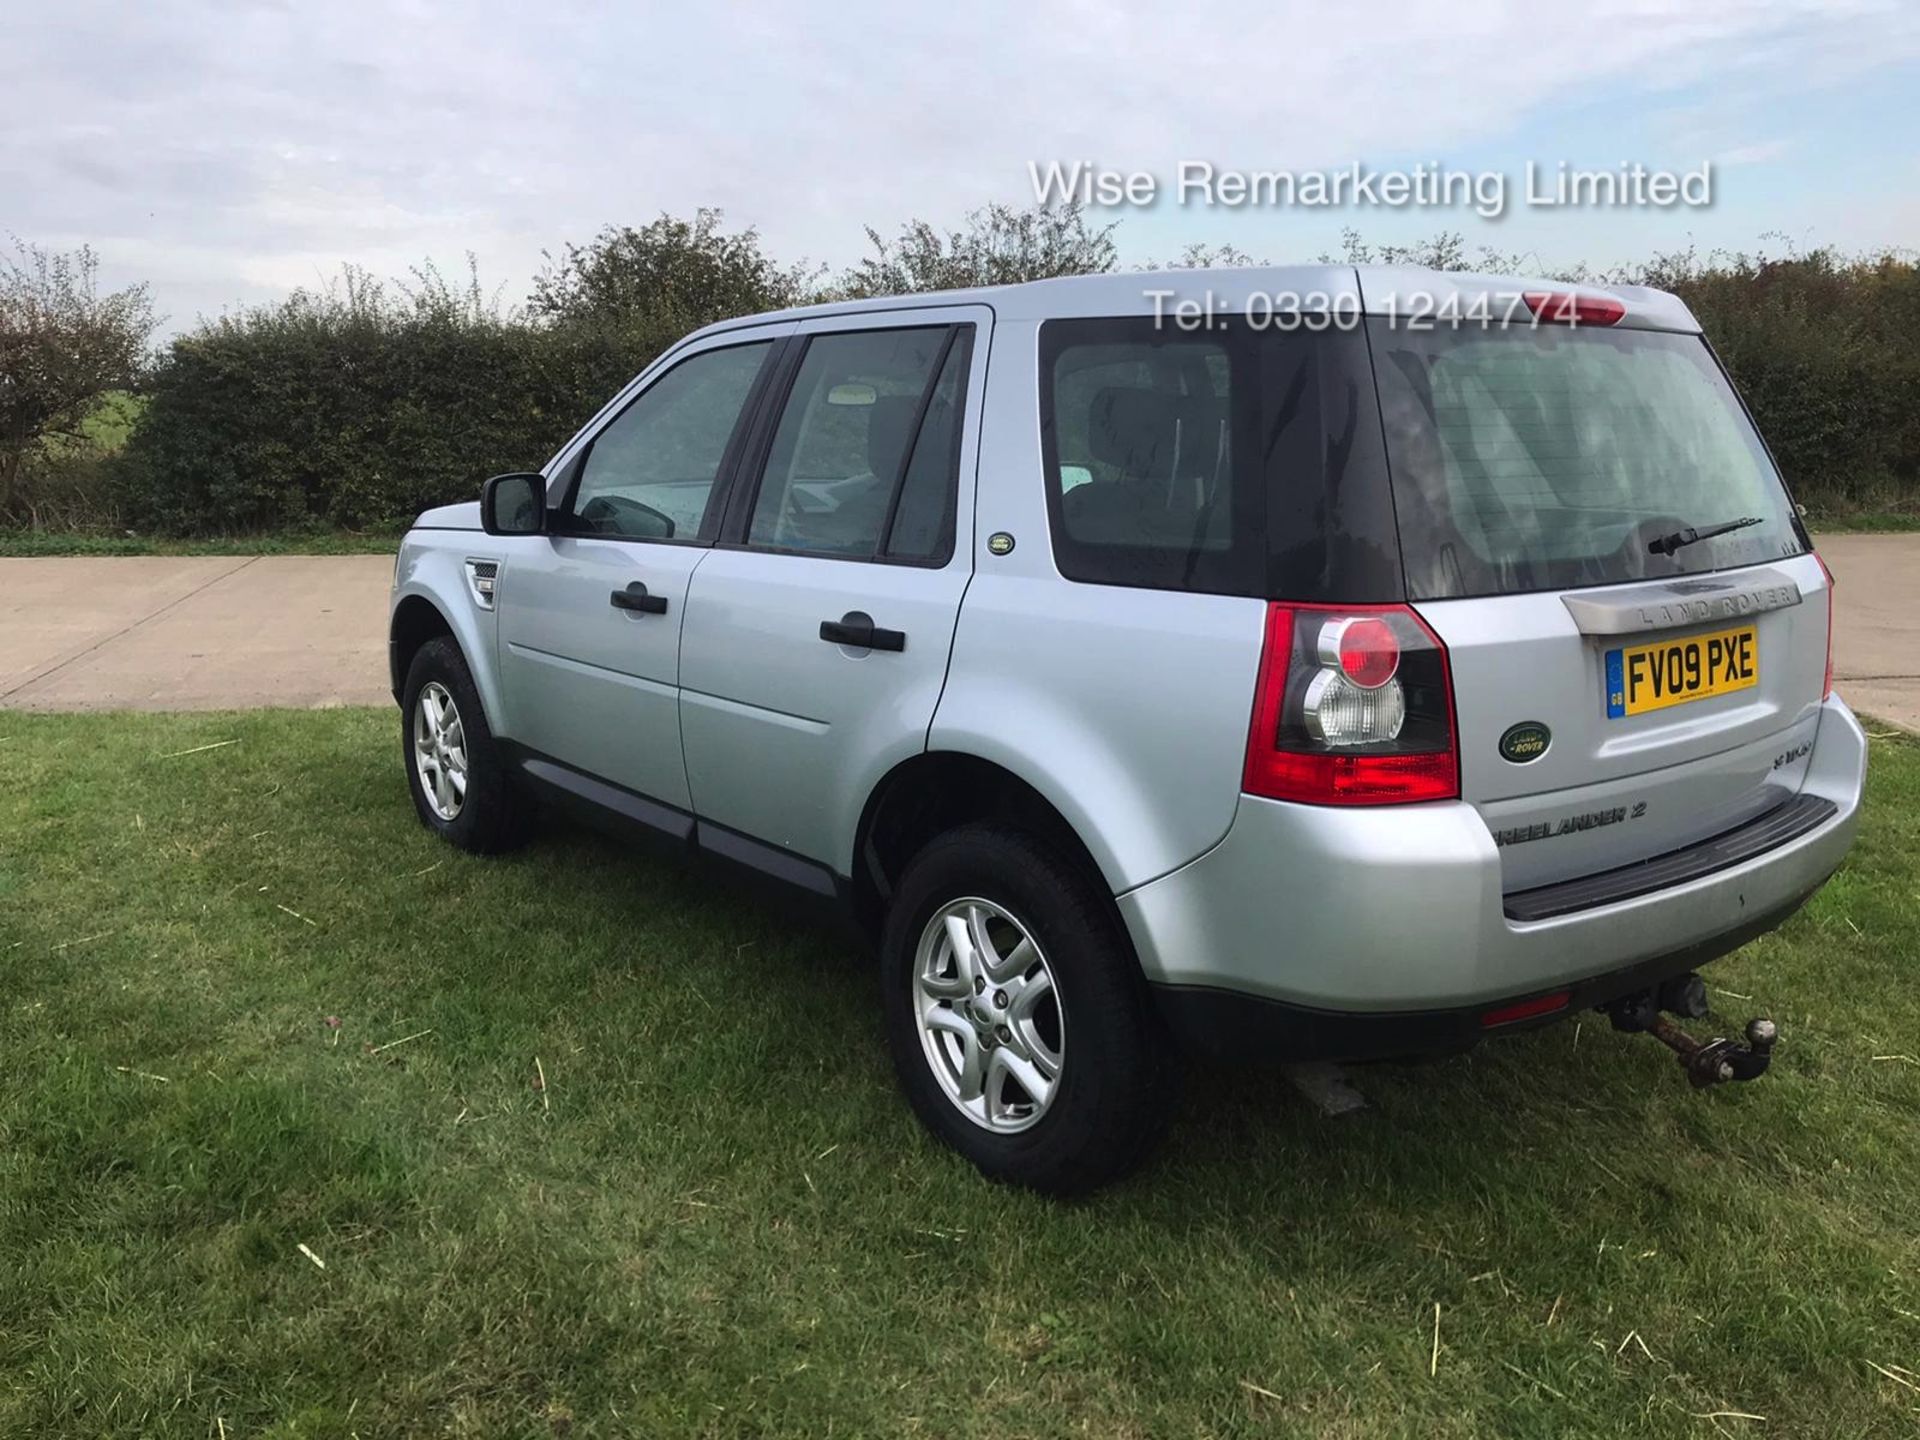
x=1547, y=457
x=863, y=459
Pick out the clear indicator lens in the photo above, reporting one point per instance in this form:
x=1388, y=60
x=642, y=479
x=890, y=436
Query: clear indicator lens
x=1339, y=712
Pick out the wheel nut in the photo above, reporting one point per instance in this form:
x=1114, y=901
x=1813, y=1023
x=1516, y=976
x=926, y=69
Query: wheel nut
x=999, y=999
x=1003, y=1032
x=978, y=984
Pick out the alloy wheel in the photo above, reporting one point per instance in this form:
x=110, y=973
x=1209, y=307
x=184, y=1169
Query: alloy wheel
x=989, y=1015
x=440, y=750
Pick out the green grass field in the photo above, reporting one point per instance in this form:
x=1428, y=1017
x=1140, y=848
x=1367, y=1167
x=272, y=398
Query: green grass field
x=600, y=1147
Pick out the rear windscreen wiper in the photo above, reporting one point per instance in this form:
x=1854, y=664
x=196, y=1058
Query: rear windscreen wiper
x=1679, y=539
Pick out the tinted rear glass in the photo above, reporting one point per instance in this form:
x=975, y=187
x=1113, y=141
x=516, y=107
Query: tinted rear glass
x=1550, y=457
x=1227, y=459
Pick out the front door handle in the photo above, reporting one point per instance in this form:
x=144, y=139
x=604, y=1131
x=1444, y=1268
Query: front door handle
x=635, y=597
x=856, y=628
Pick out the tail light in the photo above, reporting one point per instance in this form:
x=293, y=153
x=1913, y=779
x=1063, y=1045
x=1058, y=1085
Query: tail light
x=1826, y=686
x=1354, y=706
x=1569, y=308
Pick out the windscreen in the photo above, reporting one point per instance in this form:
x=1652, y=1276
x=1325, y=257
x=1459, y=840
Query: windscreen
x=1537, y=457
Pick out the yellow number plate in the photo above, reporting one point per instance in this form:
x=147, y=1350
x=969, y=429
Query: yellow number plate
x=1671, y=672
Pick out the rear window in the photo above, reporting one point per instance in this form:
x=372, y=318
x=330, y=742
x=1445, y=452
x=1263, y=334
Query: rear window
x=1228, y=459
x=1547, y=457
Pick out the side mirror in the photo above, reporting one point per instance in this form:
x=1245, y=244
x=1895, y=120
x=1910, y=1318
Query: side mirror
x=514, y=504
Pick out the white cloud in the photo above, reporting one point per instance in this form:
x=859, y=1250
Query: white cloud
x=233, y=150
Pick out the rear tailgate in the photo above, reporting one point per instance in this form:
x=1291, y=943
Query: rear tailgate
x=1616, y=784
x=1636, y=624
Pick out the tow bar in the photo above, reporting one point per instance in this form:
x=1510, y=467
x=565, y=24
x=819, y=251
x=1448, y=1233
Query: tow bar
x=1707, y=1062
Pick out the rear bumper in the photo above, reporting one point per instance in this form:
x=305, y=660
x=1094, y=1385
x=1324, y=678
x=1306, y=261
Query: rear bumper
x=1390, y=923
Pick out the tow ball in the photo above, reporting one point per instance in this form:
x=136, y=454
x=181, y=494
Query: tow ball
x=1707, y=1062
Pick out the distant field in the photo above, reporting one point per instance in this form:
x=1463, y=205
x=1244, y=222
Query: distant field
x=598, y=1148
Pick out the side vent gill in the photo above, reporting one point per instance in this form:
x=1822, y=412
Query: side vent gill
x=482, y=575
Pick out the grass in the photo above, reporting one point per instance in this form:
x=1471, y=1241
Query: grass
x=277, y=542
x=600, y=1149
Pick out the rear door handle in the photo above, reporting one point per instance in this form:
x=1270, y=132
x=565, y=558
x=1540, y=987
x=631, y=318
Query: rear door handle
x=635, y=597
x=856, y=628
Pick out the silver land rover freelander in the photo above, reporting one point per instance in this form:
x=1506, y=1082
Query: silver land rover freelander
x=1307, y=663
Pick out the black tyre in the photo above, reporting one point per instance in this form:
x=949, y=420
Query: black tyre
x=1019, y=1024
x=459, y=780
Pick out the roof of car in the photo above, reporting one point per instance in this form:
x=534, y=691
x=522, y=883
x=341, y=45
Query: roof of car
x=1409, y=292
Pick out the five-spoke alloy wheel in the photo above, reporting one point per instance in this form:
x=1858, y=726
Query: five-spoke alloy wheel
x=1020, y=1027
x=440, y=750
x=459, y=778
x=990, y=1017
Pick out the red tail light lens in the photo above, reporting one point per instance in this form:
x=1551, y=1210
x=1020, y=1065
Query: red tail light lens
x=1826, y=686
x=1569, y=308
x=1364, y=647
x=1354, y=706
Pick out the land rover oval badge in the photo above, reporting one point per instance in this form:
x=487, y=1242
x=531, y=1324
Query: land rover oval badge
x=1526, y=741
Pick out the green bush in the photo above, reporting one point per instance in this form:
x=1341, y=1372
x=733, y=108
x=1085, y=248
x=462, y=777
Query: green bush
x=358, y=406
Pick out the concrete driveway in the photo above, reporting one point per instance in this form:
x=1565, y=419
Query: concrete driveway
x=194, y=634
x=216, y=634
x=1876, y=626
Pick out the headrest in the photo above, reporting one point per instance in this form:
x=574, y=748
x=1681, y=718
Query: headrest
x=1140, y=432
x=889, y=419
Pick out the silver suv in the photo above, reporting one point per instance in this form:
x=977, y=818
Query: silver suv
x=1304, y=663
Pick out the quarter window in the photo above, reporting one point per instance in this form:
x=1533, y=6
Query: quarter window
x=649, y=474
x=1233, y=460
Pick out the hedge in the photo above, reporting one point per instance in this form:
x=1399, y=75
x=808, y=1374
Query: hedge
x=362, y=407
x=355, y=412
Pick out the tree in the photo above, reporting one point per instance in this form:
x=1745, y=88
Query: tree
x=62, y=346
x=1447, y=250
x=999, y=246
x=1201, y=256
x=671, y=275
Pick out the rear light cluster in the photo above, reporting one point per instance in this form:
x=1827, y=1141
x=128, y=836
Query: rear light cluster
x=1354, y=706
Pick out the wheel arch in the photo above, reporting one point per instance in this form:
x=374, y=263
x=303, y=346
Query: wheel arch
x=935, y=791
x=432, y=601
x=416, y=620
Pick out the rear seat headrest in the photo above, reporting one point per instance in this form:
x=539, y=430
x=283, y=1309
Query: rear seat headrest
x=1140, y=432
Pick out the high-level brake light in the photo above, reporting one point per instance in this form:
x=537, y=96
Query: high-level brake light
x=1570, y=308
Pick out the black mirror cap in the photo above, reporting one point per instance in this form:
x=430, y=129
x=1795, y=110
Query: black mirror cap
x=514, y=504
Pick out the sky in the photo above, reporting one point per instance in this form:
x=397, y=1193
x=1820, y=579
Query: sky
x=226, y=153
